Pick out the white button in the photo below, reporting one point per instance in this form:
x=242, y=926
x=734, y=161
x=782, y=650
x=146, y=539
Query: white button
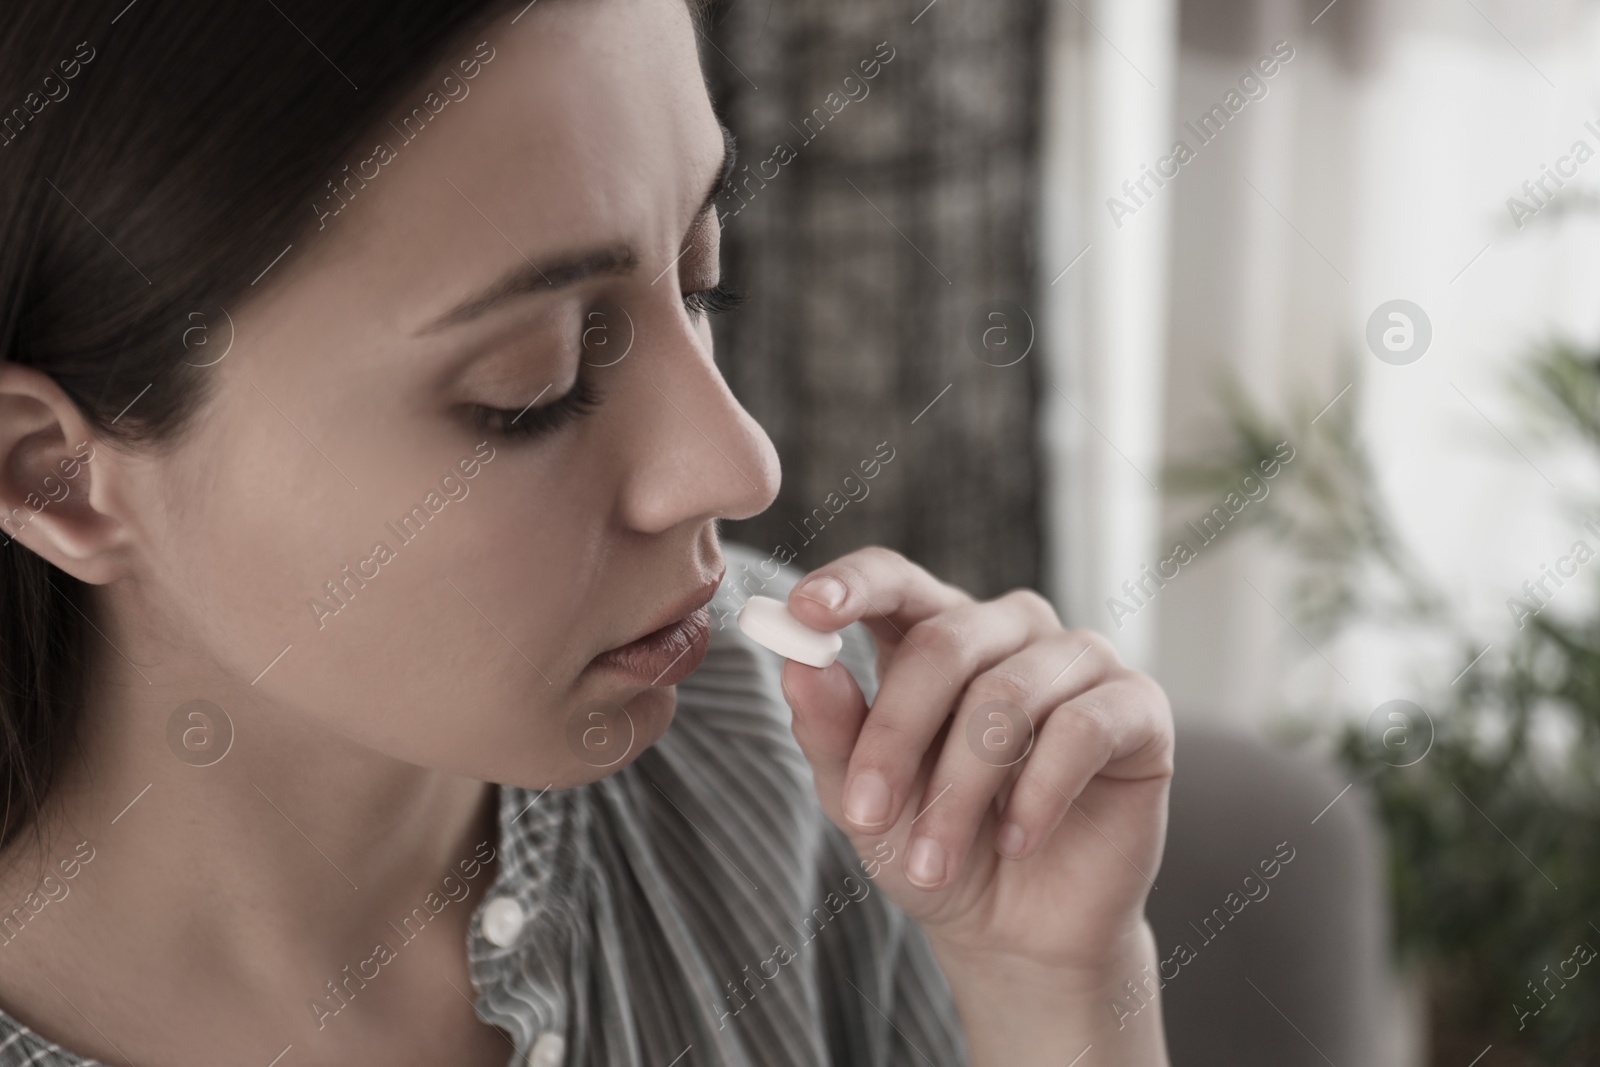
x=548, y=1050
x=502, y=921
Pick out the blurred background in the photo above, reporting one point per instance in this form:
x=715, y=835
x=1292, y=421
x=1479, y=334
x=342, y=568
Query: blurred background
x=1259, y=335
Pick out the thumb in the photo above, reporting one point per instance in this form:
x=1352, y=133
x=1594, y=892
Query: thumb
x=829, y=709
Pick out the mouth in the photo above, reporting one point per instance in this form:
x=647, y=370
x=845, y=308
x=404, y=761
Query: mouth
x=673, y=650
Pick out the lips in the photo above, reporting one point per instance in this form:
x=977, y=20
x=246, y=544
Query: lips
x=669, y=653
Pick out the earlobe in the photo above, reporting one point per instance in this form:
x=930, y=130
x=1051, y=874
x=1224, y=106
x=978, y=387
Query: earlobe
x=50, y=467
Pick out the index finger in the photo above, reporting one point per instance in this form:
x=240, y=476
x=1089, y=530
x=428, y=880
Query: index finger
x=879, y=587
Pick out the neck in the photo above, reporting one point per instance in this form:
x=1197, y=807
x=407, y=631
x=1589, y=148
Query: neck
x=289, y=855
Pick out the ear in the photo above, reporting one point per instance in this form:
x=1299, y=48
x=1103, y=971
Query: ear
x=54, y=479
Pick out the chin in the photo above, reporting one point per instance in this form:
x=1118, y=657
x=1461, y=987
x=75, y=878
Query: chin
x=604, y=733
x=651, y=711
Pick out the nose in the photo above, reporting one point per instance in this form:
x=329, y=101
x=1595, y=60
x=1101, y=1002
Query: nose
x=694, y=452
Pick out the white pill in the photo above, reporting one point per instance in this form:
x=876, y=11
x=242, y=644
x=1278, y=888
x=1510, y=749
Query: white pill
x=768, y=623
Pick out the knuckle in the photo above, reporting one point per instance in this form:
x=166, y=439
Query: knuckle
x=1162, y=760
x=1094, y=719
x=948, y=816
x=1100, y=646
x=941, y=810
x=879, y=557
x=1160, y=745
x=1150, y=692
x=1138, y=692
x=1033, y=604
x=858, y=569
x=1035, y=802
x=1003, y=683
x=851, y=574
x=946, y=635
x=884, y=744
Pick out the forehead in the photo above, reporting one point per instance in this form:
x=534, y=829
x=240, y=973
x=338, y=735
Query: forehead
x=587, y=123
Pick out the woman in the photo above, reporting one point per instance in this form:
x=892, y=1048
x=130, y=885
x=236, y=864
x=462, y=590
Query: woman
x=363, y=455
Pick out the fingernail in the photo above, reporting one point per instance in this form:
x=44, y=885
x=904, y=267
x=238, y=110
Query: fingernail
x=866, y=803
x=1009, y=841
x=925, y=865
x=829, y=592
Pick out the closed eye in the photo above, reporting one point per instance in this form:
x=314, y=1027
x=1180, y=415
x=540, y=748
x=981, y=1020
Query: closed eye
x=530, y=421
x=716, y=300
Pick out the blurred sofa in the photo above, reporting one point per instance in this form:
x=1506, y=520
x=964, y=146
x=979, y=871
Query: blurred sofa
x=1284, y=970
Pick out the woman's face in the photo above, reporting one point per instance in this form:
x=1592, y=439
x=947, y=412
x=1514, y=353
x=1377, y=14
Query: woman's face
x=443, y=583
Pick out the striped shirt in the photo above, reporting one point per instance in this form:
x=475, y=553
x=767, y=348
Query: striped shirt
x=696, y=908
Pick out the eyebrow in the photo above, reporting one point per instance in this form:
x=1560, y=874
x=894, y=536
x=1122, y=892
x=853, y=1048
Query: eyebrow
x=570, y=268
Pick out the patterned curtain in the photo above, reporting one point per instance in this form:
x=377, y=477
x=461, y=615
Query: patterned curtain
x=883, y=230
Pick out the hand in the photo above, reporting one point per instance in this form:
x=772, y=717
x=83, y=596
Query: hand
x=1045, y=858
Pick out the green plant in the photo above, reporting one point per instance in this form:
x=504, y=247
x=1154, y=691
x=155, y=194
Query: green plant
x=1352, y=562
x=1494, y=836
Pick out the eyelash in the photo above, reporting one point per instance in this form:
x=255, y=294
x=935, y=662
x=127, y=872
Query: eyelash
x=583, y=398
x=575, y=403
x=720, y=298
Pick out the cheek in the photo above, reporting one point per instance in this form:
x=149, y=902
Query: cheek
x=445, y=632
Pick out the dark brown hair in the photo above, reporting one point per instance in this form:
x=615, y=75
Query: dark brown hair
x=153, y=160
